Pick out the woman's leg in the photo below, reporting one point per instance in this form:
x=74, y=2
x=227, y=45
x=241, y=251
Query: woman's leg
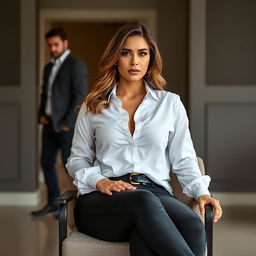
x=113, y=217
x=138, y=247
x=188, y=223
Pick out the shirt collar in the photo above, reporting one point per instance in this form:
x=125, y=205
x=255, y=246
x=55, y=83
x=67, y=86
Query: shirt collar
x=150, y=91
x=62, y=57
x=112, y=93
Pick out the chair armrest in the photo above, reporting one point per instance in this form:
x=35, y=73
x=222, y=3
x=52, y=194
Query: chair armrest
x=62, y=203
x=65, y=197
x=209, y=228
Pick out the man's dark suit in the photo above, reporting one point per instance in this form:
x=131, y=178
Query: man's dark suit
x=67, y=92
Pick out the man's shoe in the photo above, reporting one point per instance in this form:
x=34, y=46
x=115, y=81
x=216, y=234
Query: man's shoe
x=48, y=209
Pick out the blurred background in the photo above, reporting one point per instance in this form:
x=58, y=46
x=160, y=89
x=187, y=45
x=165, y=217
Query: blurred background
x=209, y=53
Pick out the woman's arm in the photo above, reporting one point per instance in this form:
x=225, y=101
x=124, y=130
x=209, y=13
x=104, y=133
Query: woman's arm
x=184, y=163
x=183, y=157
x=80, y=163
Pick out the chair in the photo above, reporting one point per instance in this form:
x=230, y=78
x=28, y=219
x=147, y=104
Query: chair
x=74, y=243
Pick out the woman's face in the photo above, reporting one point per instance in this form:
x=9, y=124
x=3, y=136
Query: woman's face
x=134, y=60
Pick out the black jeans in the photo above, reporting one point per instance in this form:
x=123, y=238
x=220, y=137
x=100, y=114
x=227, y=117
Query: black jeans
x=153, y=221
x=51, y=143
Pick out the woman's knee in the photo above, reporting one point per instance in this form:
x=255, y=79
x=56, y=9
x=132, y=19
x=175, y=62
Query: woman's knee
x=143, y=200
x=143, y=197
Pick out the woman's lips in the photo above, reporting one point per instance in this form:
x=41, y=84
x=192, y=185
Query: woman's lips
x=134, y=71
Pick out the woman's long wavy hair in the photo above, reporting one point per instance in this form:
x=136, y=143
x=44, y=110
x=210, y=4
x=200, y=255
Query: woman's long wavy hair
x=108, y=75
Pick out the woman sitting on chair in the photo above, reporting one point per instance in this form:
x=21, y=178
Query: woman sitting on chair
x=128, y=132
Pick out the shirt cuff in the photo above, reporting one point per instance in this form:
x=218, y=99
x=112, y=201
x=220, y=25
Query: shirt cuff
x=89, y=176
x=81, y=187
x=93, y=179
x=198, y=187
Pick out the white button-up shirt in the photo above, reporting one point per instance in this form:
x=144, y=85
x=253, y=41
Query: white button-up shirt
x=104, y=147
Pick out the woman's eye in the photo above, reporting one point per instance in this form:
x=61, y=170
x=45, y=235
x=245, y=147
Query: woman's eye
x=142, y=54
x=125, y=53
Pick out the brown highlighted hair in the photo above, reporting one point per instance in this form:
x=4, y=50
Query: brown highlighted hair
x=108, y=75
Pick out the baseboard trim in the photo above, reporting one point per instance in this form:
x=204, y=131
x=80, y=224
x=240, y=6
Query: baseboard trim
x=19, y=198
x=234, y=198
x=33, y=198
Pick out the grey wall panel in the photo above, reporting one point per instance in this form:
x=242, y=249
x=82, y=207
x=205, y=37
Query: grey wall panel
x=230, y=42
x=9, y=137
x=18, y=155
x=231, y=146
x=10, y=43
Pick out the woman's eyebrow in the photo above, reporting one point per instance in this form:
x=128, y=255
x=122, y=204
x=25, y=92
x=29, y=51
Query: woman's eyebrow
x=129, y=50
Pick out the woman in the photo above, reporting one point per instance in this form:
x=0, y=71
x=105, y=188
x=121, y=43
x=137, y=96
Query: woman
x=128, y=132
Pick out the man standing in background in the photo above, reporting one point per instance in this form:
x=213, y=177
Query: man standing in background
x=64, y=87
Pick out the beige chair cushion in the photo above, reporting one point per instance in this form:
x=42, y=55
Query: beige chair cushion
x=78, y=244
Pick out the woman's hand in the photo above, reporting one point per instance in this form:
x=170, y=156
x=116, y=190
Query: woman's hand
x=204, y=200
x=106, y=186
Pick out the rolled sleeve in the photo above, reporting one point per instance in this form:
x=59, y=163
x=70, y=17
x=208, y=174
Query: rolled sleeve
x=198, y=187
x=87, y=178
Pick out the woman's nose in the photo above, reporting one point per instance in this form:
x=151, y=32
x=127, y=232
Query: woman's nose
x=134, y=60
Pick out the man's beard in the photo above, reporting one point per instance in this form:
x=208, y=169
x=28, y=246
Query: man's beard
x=56, y=55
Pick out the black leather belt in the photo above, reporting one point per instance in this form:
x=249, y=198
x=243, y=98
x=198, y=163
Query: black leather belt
x=135, y=179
